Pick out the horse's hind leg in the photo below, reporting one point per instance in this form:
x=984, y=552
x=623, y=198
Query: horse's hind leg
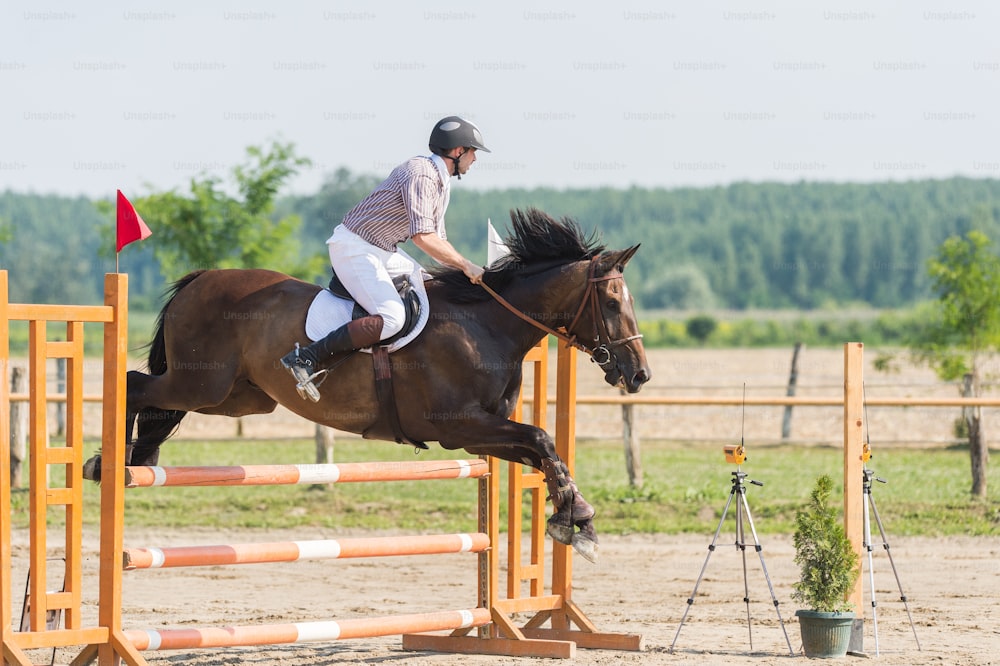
x=153, y=425
x=92, y=468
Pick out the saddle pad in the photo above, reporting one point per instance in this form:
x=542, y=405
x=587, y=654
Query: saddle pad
x=328, y=312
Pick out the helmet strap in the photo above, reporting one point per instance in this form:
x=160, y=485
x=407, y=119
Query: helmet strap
x=455, y=160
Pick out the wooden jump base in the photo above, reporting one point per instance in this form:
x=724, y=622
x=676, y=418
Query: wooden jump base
x=491, y=620
x=272, y=475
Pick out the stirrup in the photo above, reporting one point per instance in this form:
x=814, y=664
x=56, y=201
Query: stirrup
x=303, y=378
x=306, y=388
x=307, y=391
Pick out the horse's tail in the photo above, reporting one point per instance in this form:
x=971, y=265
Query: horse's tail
x=154, y=425
x=157, y=360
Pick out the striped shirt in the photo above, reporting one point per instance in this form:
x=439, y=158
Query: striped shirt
x=412, y=200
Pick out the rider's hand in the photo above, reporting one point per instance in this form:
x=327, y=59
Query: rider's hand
x=474, y=272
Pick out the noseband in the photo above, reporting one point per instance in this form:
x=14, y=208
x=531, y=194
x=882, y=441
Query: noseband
x=601, y=352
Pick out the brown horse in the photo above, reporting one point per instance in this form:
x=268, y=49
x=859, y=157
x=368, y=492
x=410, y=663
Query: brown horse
x=221, y=333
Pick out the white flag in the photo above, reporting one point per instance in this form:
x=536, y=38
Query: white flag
x=495, y=247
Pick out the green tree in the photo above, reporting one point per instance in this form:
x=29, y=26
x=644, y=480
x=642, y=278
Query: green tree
x=966, y=276
x=208, y=228
x=700, y=327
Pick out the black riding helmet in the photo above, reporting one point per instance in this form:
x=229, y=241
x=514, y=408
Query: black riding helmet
x=455, y=132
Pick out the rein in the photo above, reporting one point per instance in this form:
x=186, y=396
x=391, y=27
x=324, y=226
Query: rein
x=600, y=354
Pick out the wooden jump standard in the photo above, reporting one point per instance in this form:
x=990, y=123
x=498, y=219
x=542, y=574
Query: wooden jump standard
x=109, y=644
x=106, y=638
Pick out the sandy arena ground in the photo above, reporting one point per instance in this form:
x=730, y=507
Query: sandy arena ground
x=642, y=583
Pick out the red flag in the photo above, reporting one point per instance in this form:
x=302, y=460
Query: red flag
x=130, y=225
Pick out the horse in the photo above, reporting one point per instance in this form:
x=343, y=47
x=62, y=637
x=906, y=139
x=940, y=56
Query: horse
x=221, y=333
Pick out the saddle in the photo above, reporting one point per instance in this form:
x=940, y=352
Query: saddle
x=411, y=302
x=380, y=354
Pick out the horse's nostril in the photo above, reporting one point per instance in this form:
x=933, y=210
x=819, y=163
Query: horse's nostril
x=642, y=376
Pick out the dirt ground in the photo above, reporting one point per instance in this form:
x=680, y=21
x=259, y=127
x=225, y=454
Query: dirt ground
x=641, y=584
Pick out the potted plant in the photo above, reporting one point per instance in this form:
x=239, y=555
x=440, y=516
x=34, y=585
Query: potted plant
x=828, y=567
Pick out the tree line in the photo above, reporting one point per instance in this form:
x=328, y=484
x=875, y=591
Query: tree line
x=767, y=245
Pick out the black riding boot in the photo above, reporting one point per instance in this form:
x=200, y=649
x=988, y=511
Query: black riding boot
x=304, y=362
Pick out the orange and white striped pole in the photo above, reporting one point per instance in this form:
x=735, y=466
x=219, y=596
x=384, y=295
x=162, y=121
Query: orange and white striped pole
x=292, y=551
x=272, y=475
x=301, y=632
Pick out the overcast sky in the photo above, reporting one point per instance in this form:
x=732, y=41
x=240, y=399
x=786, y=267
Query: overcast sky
x=146, y=95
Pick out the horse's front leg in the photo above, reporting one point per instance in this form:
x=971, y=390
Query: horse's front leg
x=572, y=511
x=492, y=435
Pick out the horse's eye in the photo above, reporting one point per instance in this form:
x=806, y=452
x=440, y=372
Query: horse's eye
x=613, y=305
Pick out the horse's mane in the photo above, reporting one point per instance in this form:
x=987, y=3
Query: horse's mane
x=537, y=242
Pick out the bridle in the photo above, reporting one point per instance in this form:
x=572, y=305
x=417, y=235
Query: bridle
x=601, y=353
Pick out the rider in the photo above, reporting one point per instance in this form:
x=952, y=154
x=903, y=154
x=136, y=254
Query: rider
x=409, y=204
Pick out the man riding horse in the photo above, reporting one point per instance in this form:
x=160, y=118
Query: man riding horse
x=364, y=252
x=459, y=380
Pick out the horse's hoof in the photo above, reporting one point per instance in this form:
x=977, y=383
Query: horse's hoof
x=92, y=469
x=560, y=533
x=585, y=547
x=582, y=510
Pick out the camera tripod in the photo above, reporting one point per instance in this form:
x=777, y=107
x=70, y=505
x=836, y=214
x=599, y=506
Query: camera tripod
x=869, y=507
x=742, y=509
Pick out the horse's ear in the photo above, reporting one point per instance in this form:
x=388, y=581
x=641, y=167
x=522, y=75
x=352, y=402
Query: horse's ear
x=625, y=255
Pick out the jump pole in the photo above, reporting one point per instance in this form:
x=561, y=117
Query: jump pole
x=293, y=551
x=301, y=632
x=273, y=475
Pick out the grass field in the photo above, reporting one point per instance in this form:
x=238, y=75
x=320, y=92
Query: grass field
x=685, y=490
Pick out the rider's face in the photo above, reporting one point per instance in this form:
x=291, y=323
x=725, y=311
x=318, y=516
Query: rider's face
x=466, y=160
